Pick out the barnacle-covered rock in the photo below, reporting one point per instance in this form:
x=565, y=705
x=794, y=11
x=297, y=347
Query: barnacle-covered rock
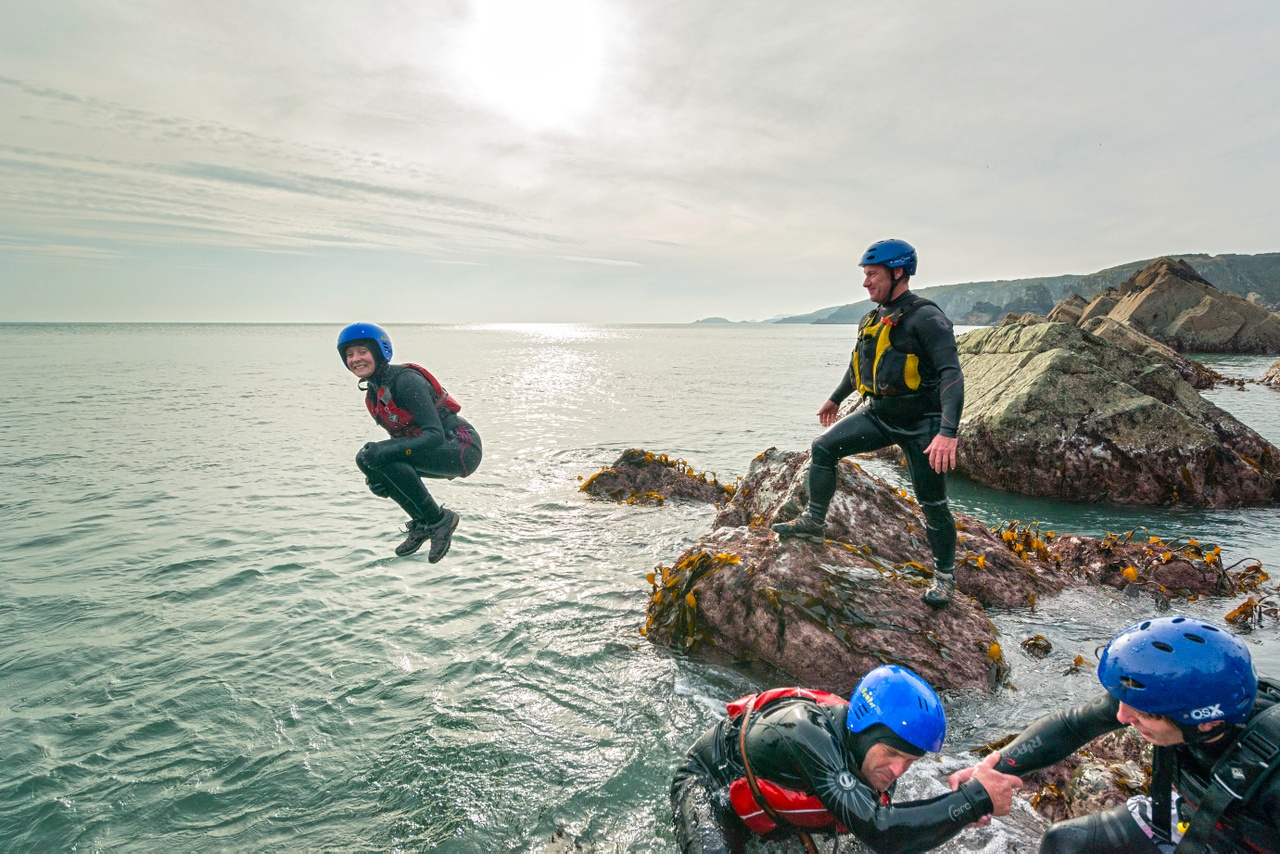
x=826, y=613
x=1105, y=772
x=1055, y=411
x=641, y=477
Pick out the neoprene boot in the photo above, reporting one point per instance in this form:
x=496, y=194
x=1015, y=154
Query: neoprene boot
x=941, y=589
x=441, y=534
x=803, y=526
x=419, y=532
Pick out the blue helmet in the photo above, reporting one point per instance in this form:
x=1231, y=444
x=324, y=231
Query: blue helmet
x=902, y=701
x=1180, y=668
x=891, y=253
x=370, y=332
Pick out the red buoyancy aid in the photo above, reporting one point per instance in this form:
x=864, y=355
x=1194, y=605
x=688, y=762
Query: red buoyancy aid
x=399, y=422
x=801, y=809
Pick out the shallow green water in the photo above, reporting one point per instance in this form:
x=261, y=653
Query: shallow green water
x=205, y=643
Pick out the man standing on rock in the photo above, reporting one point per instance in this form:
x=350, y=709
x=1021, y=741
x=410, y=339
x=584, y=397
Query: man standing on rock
x=1189, y=689
x=906, y=368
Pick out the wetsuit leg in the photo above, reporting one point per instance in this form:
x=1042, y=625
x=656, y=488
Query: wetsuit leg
x=1112, y=831
x=403, y=484
x=458, y=456
x=931, y=492
x=856, y=433
x=705, y=822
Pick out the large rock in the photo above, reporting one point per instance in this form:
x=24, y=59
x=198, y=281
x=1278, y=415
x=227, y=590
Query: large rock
x=1100, y=306
x=1123, y=335
x=1172, y=303
x=1271, y=376
x=1052, y=410
x=1068, y=310
x=827, y=613
x=642, y=477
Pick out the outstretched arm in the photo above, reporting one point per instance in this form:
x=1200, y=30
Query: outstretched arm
x=1054, y=737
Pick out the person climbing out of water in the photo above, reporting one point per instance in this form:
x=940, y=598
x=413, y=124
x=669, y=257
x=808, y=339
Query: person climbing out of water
x=792, y=760
x=428, y=436
x=1189, y=688
x=906, y=368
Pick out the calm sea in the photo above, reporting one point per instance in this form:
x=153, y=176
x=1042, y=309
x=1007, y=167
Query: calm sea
x=206, y=643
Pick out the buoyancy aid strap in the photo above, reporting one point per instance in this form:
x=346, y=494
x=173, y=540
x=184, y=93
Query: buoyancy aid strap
x=1162, y=791
x=1237, y=776
x=761, y=800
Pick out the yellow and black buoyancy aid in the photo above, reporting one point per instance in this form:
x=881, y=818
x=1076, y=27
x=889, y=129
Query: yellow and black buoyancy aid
x=878, y=368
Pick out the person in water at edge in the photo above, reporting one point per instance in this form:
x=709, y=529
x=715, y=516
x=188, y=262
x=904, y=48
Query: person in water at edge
x=428, y=436
x=793, y=760
x=1189, y=689
x=906, y=368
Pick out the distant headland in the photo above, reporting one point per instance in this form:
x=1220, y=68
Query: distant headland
x=1255, y=277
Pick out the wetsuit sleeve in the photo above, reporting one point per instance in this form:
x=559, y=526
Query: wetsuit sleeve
x=412, y=393
x=845, y=388
x=1055, y=737
x=908, y=827
x=937, y=342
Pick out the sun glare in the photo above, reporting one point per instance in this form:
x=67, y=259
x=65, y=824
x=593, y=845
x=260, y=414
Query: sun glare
x=539, y=64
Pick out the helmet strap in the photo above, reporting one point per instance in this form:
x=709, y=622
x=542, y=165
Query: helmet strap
x=897, y=280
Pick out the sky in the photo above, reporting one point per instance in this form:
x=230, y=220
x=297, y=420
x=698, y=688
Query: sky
x=611, y=160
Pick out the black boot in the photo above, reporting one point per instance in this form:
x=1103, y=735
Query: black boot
x=803, y=526
x=419, y=532
x=441, y=534
x=941, y=589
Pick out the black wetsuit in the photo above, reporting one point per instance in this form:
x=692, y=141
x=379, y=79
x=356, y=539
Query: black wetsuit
x=801, y=745
x=909, y=420
x=447, y=447
x=1127, y=828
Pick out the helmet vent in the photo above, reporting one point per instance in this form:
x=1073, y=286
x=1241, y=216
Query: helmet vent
x=1130, y=682
x=1145, y=625
x=1195, y=638
x=1161, y=645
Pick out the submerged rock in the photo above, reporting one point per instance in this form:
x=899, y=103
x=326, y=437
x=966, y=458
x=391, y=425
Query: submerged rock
x=1055, y=411
x=641, y=477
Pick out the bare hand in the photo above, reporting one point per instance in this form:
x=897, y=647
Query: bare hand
x=999, y=786
x=961, y=777
x=942, y=453
x=827, y=413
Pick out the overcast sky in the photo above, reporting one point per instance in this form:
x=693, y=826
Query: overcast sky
x=611, y=160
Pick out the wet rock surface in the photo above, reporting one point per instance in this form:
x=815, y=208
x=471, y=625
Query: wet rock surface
x=1105, y=772
x=641, y=477
x=1053, y=410
x=826, y=613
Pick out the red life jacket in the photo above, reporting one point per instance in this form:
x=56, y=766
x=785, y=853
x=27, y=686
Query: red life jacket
x=399, y=422
x=798, y=808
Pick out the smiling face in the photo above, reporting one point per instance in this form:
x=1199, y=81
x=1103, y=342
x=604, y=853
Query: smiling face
x=879, y=283
x=360, y=361
x=883, y=764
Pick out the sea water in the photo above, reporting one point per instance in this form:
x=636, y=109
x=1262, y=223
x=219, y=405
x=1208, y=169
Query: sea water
x=207, y=644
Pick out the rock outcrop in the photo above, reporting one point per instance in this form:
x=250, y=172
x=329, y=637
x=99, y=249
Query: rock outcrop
x=1069, y=310
x=1172, y=303
x=827, y=613
x=1271, y=376
x=641, y=477
x=1055, y=411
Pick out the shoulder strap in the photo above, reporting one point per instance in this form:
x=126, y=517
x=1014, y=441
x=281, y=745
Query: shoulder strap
x=1162, y=791
x=1237, y=776
x=761, y=800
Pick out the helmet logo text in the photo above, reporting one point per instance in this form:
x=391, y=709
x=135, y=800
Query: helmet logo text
x=1207, y=713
